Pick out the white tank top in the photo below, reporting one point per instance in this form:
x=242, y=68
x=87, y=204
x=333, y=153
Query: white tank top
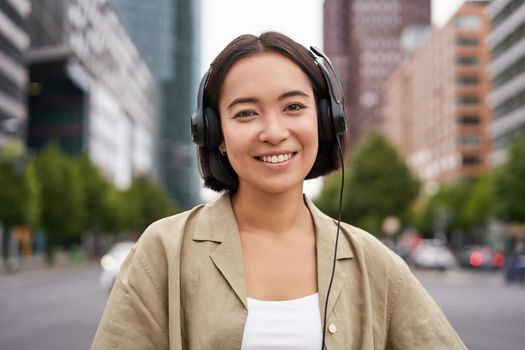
x=285, y=325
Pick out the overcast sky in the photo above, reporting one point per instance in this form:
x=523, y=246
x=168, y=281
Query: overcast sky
x=223, y=20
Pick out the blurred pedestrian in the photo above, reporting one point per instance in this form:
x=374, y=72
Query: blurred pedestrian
x=252, y=269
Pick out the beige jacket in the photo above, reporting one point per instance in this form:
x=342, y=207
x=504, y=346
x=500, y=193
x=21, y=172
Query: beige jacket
x=183, y=287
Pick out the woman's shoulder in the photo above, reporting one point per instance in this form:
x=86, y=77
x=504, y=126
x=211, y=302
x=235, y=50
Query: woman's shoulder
x=172, y=230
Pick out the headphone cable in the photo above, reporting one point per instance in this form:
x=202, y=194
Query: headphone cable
x=336, y=238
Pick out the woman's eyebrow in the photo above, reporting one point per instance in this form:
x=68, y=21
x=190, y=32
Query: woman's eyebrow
x=243, y=100
x=256, y=100
x=293, y=93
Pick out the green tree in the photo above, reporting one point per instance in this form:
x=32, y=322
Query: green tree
x=378, y=184
x=148, y=202
x=117, y=213
x=509, y=184
x=19, y=199
x=62, y=198
x=446, y=207
x=479, y=207
x=94, y=186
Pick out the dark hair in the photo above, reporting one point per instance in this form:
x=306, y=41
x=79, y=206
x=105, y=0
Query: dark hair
x=215, y=168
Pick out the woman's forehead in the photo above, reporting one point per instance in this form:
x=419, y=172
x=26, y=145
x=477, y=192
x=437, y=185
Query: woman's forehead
x=260, y=72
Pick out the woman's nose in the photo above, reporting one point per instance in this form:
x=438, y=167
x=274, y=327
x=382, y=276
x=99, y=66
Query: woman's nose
x=274, y=129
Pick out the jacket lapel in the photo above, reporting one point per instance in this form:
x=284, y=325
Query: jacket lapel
x=217, y=223
x=326, y=228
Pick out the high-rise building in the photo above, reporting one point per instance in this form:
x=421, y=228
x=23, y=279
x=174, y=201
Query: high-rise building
x=167, y=33
x=90, y=90
x=363, y=39
x=14, y=42
x=507, y=70
x=436, y=103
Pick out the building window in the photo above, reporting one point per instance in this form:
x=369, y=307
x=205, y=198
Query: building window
x=467, y=61
x=468, y=22
x=467, y=100
x=469, y=140
x=471, y=160
x=468, y=120
x=467, y=41
x=468, y=80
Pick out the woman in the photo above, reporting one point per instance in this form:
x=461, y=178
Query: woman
x=251, y=270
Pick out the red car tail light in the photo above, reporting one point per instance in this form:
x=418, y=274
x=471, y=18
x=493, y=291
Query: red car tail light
x=476, y=259
x=498, y=260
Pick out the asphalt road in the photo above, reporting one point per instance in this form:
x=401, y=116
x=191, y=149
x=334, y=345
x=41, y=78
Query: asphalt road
x=54, y=309
x=59, y=309
x=487, y=313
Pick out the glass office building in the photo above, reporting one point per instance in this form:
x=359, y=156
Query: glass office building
x=14, y=42
x=507, y=70
x=167, y=34
x=90, y=90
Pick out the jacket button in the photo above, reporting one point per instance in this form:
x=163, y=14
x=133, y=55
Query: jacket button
x=332, y=328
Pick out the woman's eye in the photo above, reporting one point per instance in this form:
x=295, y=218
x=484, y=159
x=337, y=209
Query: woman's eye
x=294, y=107
x=244, y=114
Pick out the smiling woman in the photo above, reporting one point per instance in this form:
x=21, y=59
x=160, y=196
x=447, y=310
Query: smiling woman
x=270, y=126
x=261, y=267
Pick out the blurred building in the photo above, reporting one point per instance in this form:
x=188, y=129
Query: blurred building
x=167, y=33
x=14, y=42
x=362, y=38
x=90, y=90
x=436, y=103
x=507, y=70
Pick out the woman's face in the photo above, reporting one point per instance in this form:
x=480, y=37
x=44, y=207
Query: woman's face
x=269, y=122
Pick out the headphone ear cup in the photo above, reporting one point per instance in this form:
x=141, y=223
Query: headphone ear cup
x=198, y=129
x=213, y=129
x=325, y=121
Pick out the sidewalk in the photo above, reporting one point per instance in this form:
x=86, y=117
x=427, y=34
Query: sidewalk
x=38, y=262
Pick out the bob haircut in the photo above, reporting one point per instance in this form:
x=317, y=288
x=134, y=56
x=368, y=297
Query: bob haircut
x=215, y=168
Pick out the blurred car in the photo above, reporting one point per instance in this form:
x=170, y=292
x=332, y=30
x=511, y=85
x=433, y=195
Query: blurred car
x=515, y=269
x=432, y=254
x=111, y=263
x=481, y=257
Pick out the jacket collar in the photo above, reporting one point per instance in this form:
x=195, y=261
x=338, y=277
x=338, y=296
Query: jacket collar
x=217, y=223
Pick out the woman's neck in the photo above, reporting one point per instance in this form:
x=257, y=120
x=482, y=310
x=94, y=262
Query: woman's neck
x=280, y=213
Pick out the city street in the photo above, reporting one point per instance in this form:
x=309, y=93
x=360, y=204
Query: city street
x=58, y=309
x=487, y=313
x=54, y=309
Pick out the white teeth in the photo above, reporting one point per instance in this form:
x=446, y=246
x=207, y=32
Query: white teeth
x=276, y=159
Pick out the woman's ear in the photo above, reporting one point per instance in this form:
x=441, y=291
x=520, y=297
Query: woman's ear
x=222, y=148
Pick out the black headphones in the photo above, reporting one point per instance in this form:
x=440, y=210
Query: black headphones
x=205, y=127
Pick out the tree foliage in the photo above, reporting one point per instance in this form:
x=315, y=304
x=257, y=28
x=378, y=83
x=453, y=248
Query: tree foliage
x=19, y=199
x=480, y=204
x=464, y=206
x=509, y=183
x=69, y=196
x=62, y=197
x=446, y=205
x=378, y=184
x=149, y=201
x=94, y=187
